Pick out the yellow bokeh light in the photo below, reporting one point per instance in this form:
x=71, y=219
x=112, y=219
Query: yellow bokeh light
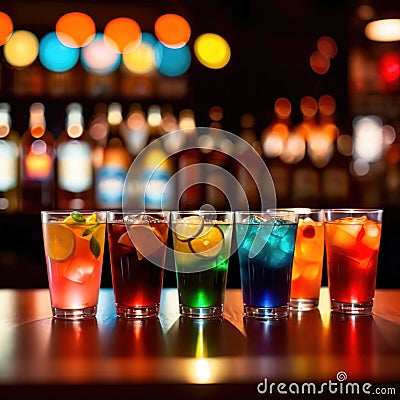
x=21, y=49
x=212, y=50
x=141, y=60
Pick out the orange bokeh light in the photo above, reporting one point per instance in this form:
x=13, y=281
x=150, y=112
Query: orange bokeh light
x=172, y=30
x=327, y=105
x=75, y=29
x=308, y=106
x=122, y=34
x=319, y=63
x=327, y=46
x=6, y=28
x=282, y=108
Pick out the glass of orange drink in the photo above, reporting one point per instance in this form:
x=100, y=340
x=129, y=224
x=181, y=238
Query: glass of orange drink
x=308, y=260
x=352, y=242
x=74, y=249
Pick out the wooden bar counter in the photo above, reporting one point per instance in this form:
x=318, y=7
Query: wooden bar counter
x=179, y=358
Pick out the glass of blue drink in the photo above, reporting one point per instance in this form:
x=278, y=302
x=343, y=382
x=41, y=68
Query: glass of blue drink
x=266, y=242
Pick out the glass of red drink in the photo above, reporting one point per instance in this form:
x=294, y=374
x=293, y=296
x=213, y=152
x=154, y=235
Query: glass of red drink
x=352, y=240
x=137, y=244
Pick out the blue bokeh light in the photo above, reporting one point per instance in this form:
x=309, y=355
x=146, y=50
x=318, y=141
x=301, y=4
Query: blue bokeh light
x=56, y=57
x=172, y=62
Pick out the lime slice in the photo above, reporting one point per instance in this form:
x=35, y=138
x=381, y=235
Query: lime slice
x=59, y=242
x=189, y=228
x=208, y=244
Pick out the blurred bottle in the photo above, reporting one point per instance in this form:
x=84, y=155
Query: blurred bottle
x=305, y=186
x=98, y=129
x=135, y=130
x=158, y=166
x=38, y=163
x=336, y=187
x=110, y=177
x=74, y=163
x=273, y=140
x=190, y=168
x=244, y=150
x=9, y=162
x=217, y=159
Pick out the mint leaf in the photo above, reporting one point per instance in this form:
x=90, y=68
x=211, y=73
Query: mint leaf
x=95, y=247
x=88, y=231
x=77, y=216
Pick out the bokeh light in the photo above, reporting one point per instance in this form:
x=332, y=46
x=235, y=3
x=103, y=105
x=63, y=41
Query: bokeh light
x=327, y=105
x=122, y=34
x=327, y=46
x=172, y=62
x=6, y=28
x=75, y=29
x=308, y=106
x=389, y=67
x=98, y=58
x=319, y=63
x=282, y=108
x=55, y=56
x=141, y=60
x=172, y=30
x=21, y=49
x=384, y=30
x=212, y=50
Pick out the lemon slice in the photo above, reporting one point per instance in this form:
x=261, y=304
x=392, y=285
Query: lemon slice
x=209, y=244
x=189, y=228
x=59, y=242
x=91, y=219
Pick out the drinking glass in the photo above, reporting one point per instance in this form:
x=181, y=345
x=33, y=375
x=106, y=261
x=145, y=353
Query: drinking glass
x=137, y=244
x=308, y=260
x=266, y=243
x=352, y=240
x=202, y=245
x=74, y=249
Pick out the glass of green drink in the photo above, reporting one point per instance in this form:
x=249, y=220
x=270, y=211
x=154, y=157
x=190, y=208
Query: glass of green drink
x=202, y=246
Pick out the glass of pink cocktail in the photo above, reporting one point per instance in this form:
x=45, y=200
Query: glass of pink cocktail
x=74, y=249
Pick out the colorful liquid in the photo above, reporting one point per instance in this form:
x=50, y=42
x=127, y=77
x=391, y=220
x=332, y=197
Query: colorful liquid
x=352, y=247
x=265, y=257
x=202, y=265
x=74, y=258
x=308, y=260
x=137, y=280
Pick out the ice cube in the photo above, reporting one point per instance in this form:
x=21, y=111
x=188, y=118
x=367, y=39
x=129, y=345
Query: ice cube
x=279, y=228
x=278, y=258
x=78, y=273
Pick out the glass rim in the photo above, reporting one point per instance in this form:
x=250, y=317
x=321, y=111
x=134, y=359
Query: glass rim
x=269, y=211
x=118, y=215
x=354, y=210
x=201, y=212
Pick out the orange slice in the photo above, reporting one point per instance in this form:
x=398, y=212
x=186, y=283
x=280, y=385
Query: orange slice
x=59, y=242
x=209, y=244
x=144, y=238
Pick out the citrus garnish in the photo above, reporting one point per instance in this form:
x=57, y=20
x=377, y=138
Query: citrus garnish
x=209, y=243
x=59, y=242
x=189, y=228
x=144, y=238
